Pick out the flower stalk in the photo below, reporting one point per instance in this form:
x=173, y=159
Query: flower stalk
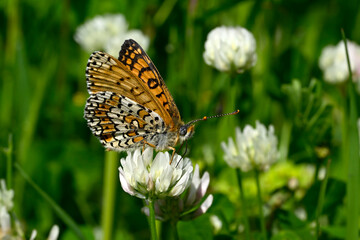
x=352, y=155
x=110, y=174
x=243, y=204
x=174, y=231
x=259, y=198
x=9, y=161
x=152, y=222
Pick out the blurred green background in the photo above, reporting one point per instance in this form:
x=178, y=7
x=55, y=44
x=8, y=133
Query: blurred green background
x=43, y=93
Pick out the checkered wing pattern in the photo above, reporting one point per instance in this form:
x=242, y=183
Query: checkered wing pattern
x=119, y=122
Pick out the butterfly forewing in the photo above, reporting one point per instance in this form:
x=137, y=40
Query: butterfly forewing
x=106, y=73
x=139, y=63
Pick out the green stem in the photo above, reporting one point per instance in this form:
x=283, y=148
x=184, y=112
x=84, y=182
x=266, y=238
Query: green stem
x=243, y=204
x=152, y=220
x=174, y=231
x=164, y=12
x=353, y=184
x=285, y=140
x=110, y=173
x=321, y=198
x=261, y=213
x=231, y=93
x=317, y=169
x=9, y=162
x=8, y=83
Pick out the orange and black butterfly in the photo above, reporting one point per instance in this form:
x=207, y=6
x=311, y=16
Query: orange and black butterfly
x=129, y=104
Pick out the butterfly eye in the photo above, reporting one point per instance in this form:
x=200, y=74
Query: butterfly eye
x=183, y=130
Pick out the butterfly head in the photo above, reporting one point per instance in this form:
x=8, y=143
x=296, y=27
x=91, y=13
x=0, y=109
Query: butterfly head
x=186, y=131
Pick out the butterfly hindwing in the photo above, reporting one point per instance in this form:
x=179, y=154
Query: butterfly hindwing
x=119, y=122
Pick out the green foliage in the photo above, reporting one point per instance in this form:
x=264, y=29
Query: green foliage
x=199, y=229
x=43, y=93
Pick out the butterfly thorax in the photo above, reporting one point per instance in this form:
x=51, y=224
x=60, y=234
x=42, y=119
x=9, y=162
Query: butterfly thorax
x=165, y=138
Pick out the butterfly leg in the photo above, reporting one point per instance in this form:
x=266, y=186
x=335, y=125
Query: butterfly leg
x=151, y=145
x=172, y=155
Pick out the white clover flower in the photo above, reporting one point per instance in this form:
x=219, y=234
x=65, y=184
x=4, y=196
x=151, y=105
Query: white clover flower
x=230, y=49
x=187, y=206
x=114, y=44
x=148, y=178
x=254, y=148
x=5, y=223
x=6, y=196
x=333, y=62
x=95, y=33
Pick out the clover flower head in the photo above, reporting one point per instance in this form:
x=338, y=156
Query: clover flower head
x=230, y=49
x=114, y=44
x=146, y=177
x=5, y=222
x=95, y=33
x=255, y=148
x=333, y=62
x=188, y=206
x=6, y=196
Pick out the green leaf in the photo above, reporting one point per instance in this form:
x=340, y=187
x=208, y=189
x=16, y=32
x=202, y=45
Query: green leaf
x=289, y=220
x=88, y=232
x=334, y=196
x=286, y=235
x=222, y=207
x=335, y=231
x=198, y=229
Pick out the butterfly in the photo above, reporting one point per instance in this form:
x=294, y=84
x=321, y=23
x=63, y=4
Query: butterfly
x=129, y=104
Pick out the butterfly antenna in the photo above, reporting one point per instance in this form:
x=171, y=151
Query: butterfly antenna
x=215, y=116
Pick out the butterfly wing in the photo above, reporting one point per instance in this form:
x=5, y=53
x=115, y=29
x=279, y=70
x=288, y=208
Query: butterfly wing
x=119, y=122
x=133, y=76
x=139, y=63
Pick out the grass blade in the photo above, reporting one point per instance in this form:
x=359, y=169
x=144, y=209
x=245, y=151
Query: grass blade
x=59, y=211
x=353, y=157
